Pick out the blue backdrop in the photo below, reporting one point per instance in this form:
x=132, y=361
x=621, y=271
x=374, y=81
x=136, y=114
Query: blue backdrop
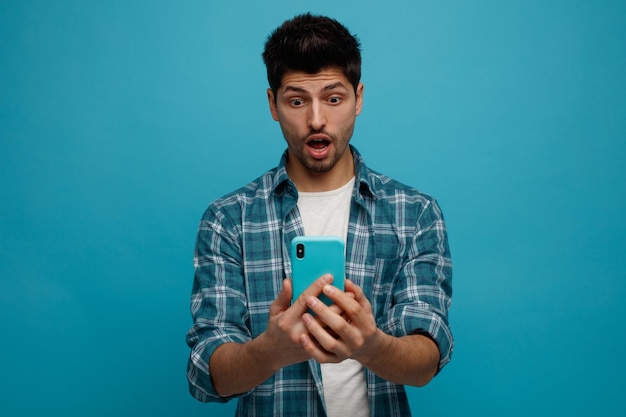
x=121, y=120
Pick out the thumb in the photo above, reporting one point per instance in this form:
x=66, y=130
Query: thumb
x=283, y=301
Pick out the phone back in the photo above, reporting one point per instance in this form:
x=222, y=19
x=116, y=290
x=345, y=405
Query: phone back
x=314, y=256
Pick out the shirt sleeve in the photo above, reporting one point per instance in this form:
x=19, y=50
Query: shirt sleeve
x=218, y=306
x=423, y=289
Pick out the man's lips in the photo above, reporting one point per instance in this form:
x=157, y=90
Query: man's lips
x=318, y=141
x=318, y=145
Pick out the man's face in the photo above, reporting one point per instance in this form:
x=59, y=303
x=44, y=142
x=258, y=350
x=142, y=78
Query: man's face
x=316, y=113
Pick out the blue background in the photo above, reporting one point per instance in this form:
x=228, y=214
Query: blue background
x=121, y=120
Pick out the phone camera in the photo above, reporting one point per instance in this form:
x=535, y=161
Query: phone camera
x=300, y=250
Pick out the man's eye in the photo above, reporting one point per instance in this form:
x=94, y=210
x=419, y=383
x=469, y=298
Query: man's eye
x=296, y=102
x=334, y=100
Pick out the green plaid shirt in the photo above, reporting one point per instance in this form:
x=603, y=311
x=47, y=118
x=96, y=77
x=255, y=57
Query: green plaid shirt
x=397, y=252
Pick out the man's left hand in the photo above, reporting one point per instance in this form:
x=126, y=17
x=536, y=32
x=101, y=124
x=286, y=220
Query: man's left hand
x=335, y=336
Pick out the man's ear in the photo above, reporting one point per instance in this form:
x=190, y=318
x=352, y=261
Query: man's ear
x=271, y=99
x=359, y=98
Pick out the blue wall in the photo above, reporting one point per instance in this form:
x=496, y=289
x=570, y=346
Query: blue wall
x=121, y=120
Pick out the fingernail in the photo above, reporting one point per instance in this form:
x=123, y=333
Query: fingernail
x=327, y=278
x=328, y=289
x=311, y=301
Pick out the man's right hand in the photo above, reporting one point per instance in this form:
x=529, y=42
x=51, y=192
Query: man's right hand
x=236, y=368
x=285, y=328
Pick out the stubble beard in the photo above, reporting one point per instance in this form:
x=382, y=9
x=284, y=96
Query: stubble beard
x=340, y=143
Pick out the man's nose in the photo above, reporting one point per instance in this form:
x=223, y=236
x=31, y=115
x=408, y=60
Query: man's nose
x=317, y=118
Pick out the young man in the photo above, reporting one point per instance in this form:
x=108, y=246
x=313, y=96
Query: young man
x=389, y=328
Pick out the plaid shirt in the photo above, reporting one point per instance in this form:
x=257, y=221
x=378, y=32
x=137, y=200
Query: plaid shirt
x=397, y=252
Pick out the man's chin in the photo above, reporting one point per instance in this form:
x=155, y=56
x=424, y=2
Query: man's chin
x=319, y=166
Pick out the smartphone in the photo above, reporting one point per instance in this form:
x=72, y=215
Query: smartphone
x=314, y=256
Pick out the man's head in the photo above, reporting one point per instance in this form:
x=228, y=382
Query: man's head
x=309, y=44
x=314, y=68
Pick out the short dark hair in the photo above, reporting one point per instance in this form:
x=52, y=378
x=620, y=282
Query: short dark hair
x=311, y=43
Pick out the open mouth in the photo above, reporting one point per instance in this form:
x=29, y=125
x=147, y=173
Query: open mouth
x=318, y=144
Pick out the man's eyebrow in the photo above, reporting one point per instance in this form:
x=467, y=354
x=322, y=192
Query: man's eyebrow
x=334, y=86
x=294, y=89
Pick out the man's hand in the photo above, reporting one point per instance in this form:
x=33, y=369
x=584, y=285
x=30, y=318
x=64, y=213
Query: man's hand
x=338, y=335
x=237, y=368
x=286, y=328
x=335, y=335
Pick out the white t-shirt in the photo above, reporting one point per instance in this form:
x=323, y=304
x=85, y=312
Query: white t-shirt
x=327, y=214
